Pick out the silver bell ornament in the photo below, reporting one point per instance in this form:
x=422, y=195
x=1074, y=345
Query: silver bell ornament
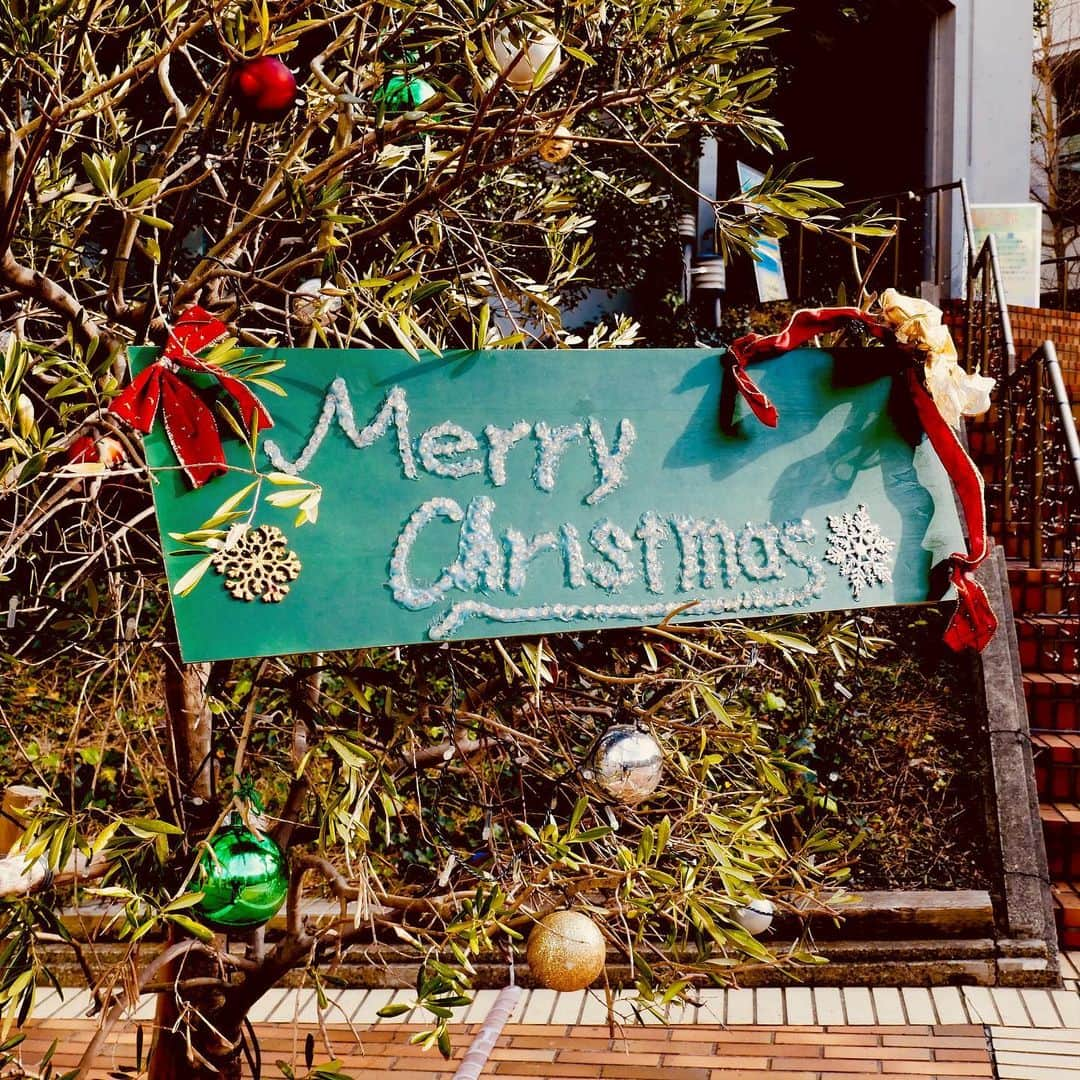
x=311, y=303
x=627, y=763
x=756, y=917
x=520, y=56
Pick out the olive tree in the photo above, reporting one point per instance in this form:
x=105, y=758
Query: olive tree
x=426, y=177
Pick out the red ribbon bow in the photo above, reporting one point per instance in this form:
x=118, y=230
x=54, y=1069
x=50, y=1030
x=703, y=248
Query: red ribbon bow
x=189, y=422
x=973, y=623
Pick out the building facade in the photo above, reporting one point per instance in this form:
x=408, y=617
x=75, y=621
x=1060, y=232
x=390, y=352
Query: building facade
x=980, y=106
x=1055, y=147
x=892, y=98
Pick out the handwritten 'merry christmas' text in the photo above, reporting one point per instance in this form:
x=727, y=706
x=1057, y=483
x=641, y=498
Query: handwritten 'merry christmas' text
x=606, y=557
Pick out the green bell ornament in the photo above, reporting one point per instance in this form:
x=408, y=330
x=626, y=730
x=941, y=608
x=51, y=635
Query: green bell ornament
x=243, y=879
x=402, y=94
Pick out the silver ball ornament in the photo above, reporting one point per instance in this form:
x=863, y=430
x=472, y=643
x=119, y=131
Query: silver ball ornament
x=756, y=917
x=628, y=764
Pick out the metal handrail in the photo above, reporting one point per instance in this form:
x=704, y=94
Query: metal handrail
x=985, y=269
x=1039, y=465
x=1037, y=470
x=987, y=266
x=1048, y=352
x=898, y=198
x=1034, y=489
x=982, y=262
x=969, y=222
x=1033, y=486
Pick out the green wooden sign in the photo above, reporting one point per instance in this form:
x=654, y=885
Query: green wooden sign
x=498, y=493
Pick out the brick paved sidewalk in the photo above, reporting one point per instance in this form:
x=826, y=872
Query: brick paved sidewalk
x=794, y=1034
x=588, y=1053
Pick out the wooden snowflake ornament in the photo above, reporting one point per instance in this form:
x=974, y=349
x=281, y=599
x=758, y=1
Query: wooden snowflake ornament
x=258, y=564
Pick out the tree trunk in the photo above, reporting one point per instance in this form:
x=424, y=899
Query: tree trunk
x=189, y=1043
x=189, y=1049
x=1061, y=264
x=190, y=727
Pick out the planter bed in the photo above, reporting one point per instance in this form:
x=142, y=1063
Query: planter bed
x=1001, y=934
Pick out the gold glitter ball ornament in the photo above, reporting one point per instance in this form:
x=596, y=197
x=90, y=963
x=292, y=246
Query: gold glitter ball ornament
x=566, y=951
x=557, y=145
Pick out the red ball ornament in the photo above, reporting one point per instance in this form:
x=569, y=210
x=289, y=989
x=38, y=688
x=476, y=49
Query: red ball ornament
x=88, y=450
x=263, y=89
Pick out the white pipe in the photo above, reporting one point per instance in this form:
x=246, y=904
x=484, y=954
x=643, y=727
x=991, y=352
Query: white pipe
x=479, y=1051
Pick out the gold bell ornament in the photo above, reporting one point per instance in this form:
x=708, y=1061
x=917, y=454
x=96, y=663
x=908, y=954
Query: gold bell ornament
x=566, y=951
x=556, y=145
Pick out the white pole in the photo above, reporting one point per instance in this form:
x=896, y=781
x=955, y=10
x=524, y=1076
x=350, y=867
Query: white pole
x=480, y=1050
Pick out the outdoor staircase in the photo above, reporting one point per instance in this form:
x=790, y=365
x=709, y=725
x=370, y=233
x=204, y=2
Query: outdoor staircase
x=1048, y=657
x=1028, y=450
x=1044, y=582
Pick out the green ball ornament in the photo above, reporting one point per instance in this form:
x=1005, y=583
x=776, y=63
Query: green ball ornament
x=403, y=93
x=243, y=878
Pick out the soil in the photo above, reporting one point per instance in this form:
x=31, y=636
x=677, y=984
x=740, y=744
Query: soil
x=905, y=759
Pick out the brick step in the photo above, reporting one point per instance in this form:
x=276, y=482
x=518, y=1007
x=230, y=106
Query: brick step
x=567, y=1037
x=1066, y=896
x=1053, y=700
x=1017, y=542
x=1057, y=765
x=982, y=441
x=1043, y=591
x=1061, y=829
x=1049, y=643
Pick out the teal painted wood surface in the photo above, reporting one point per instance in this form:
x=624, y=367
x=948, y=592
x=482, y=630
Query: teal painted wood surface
x=762, y=498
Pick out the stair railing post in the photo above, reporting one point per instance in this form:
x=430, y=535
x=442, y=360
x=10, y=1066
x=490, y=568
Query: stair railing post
x=1005, y=404
x=969, y=317
x=896, y=248
x=1039, y=408
x=799, y=264
x=940, y=240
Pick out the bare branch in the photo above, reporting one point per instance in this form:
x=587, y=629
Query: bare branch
x=36, y=286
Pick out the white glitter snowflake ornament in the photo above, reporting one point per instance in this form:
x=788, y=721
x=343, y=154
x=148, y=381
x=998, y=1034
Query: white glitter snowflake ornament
x=860, y=549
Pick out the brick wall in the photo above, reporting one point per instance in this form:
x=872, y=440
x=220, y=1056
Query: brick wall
x=1031, y=327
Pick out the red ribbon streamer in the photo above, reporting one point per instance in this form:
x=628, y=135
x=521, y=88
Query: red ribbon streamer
x=804, y=325
x=189, y=422
x=973, y=623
